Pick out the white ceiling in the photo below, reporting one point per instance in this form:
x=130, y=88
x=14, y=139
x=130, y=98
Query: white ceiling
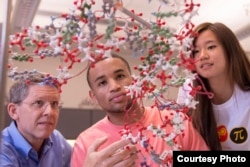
x=235, y=14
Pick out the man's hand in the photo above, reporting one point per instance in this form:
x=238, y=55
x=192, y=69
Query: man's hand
x=118, y=154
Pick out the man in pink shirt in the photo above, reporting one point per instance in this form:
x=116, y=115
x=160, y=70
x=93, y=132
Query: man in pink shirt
x=125, y=118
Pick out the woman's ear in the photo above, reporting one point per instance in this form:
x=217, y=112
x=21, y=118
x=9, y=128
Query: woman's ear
x=12, y=111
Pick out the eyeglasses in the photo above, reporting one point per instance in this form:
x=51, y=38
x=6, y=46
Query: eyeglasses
x=42, y=105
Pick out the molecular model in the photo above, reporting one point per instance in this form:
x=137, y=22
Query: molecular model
x=164, y=53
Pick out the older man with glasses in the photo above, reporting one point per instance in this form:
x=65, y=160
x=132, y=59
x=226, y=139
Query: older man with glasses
x=31, y=139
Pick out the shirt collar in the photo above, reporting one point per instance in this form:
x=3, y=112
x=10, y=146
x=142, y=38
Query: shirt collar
x=21, y=143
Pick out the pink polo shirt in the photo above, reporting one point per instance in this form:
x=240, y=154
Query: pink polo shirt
x=190, y=139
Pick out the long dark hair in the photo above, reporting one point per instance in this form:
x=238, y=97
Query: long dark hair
x=238, y=71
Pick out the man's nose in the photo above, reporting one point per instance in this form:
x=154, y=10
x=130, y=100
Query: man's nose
x=48, y=108
x=114, y=85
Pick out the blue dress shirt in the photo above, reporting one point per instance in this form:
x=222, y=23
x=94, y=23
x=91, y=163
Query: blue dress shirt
x=15, y=151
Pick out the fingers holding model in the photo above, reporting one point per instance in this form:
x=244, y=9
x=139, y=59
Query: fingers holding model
x=119, y=154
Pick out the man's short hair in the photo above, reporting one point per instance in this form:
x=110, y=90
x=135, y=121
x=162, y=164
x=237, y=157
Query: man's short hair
x=20, y=89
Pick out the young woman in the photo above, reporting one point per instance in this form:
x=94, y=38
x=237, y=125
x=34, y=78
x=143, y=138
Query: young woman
x=224, y=69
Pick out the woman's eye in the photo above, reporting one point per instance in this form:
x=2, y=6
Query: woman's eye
x=194, y=53
x=212, y=47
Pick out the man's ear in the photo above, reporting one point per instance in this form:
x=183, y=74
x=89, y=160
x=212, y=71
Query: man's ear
x=12, y=111
x=92, y=96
